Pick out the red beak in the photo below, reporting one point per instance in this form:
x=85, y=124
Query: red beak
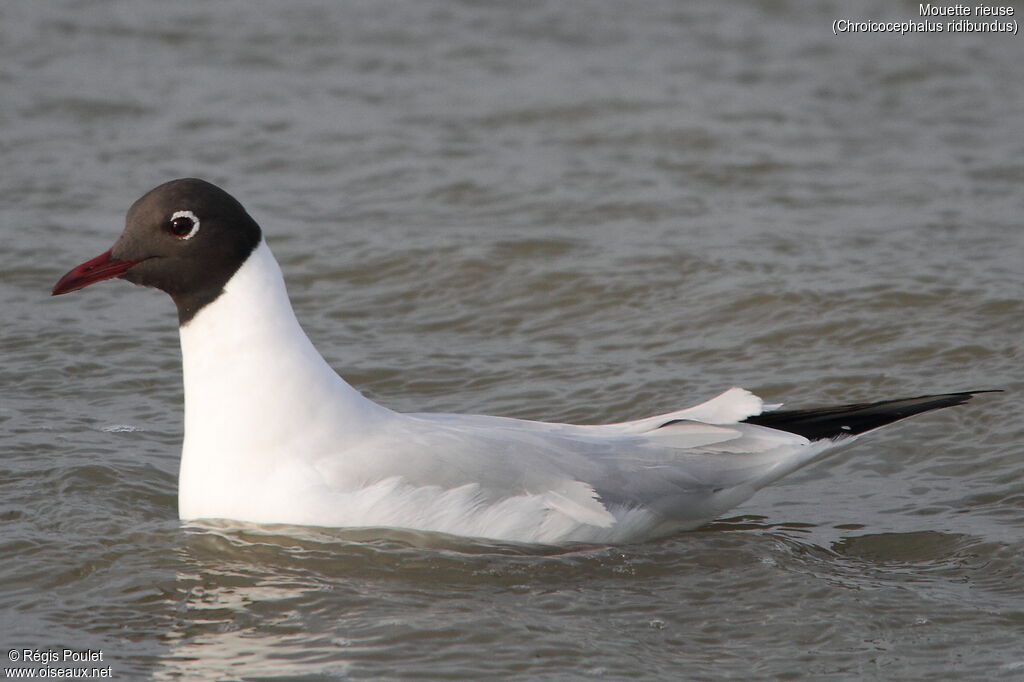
x=98, y=269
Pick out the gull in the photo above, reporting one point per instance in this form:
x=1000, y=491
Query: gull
x=273, y=435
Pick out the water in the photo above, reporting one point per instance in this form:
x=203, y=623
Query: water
x=581, y=212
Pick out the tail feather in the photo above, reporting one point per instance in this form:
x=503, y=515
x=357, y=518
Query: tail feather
x=850, y=420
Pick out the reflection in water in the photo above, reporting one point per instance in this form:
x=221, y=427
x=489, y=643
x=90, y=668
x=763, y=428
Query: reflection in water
x=254, y=601
x=225, y=632
x=249, y=596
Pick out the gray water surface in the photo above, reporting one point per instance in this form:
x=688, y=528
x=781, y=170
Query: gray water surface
x=563, y=211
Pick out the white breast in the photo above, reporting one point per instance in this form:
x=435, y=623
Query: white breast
x=260, y=401
x=274, y=435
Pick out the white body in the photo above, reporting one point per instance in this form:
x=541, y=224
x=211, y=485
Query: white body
x=274, y=435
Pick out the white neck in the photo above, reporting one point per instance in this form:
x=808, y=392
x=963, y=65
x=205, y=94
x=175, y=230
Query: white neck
x=253, y=381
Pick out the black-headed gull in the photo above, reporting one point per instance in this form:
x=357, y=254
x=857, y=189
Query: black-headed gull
x=274, y=435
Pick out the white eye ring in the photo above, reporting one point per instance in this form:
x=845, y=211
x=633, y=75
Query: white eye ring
x=195, y=223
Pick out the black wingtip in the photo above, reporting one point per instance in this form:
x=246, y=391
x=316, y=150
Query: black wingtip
x=850, y=420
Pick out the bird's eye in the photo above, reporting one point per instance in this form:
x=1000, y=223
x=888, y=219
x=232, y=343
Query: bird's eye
x=183, y=225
